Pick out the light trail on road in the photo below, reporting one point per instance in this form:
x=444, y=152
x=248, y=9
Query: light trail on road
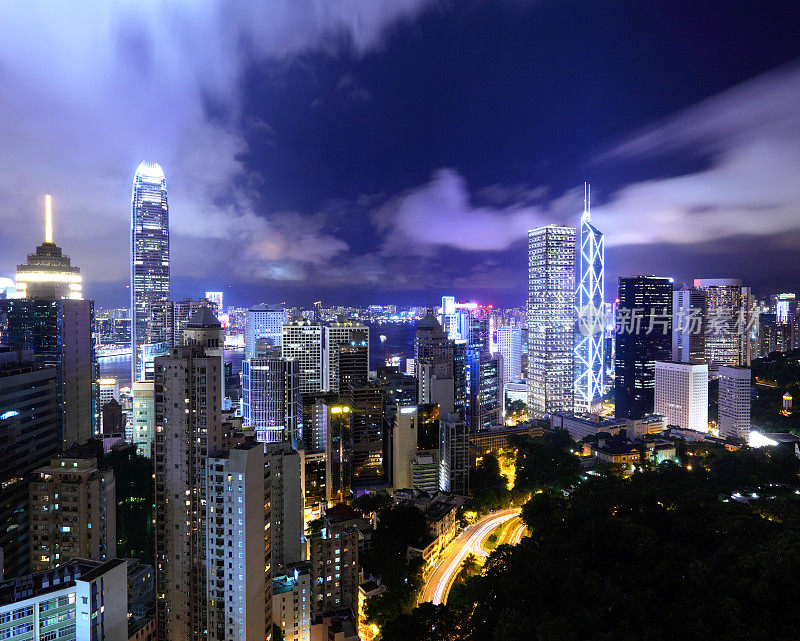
x=469, y=541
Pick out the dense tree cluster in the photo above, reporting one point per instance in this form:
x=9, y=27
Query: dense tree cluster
x=660, y=555
x=398, y=528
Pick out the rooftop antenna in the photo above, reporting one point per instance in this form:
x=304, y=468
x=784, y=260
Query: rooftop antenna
x=48, y=218
x=587, y=202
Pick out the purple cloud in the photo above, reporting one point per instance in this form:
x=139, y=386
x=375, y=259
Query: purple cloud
x=90, y=89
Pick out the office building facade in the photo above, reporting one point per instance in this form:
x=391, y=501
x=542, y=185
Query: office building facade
x=271, y=402
x=643, y=336
x=551, y=319
x=60, y=334
x=681, y=394
x=728, y=321
x=302, y=342
x=263, y=333
x=509, y=345
x=734, y=402
x=689, y=325
x=28, y=433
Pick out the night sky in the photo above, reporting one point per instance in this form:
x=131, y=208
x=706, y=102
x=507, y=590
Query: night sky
x=390, y=152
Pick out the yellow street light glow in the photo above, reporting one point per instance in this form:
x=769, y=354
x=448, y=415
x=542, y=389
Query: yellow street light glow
x=48, y=218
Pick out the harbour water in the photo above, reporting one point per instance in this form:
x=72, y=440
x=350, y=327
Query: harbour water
x=398, y=339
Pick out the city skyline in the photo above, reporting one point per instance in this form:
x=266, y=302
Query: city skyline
x=684, y=153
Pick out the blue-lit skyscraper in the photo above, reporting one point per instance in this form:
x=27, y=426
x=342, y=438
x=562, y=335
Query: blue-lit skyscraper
x=590, y=308
x=149, y=252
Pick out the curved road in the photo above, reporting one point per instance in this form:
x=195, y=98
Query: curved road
x=468, y=542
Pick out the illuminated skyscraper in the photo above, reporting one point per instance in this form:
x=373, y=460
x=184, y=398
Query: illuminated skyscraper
x=263, y=330
x=551, y=312
x=216, y=298
x=728, y=315
x=643, y=336
x=590, y=310
x=271, y=398
x=49, y=273
x=149, y=253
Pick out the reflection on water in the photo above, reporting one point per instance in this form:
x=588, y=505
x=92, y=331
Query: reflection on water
x=399, y=340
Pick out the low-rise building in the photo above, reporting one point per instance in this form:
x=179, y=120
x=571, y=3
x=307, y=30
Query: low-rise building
x=580, y=426
x=497, y=437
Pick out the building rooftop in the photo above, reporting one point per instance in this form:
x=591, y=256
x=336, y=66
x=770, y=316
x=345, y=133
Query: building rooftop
x=342, y=512
x=65, y=576
x=203, y=317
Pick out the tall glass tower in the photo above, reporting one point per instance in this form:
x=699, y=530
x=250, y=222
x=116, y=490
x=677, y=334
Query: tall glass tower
x=149, y=253
x=589, y=308
x=551, y=319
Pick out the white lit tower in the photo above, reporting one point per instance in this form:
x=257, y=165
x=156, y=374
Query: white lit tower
x=149, y=253
x=551, y=320
x=589, y=308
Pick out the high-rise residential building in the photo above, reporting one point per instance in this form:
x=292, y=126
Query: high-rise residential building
x=485, y=406
x=435, y=365
x=49, y=274
x=144, y=417
x=28, y=439
x=366, y=417
x=80, y=600
x=291, y=603
x=454, y=459
x=237, y=546
x=302, y=342
x=404, y=446
x=284, y=468
x=551, y=319
x=341, y=334
x=728, y=321
x=205, y=331
x=734, y=402
x=432, y=346
x=216, y=299
x=60, y=334
x=334, y=567
x=271, y=402
x=264, y=330
x=681, y=394
x=509, y=345
x=149, y=253
x=188, y=426
x=689, y=319
x=643, y=336
x=72, y=512
x=590, y=311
